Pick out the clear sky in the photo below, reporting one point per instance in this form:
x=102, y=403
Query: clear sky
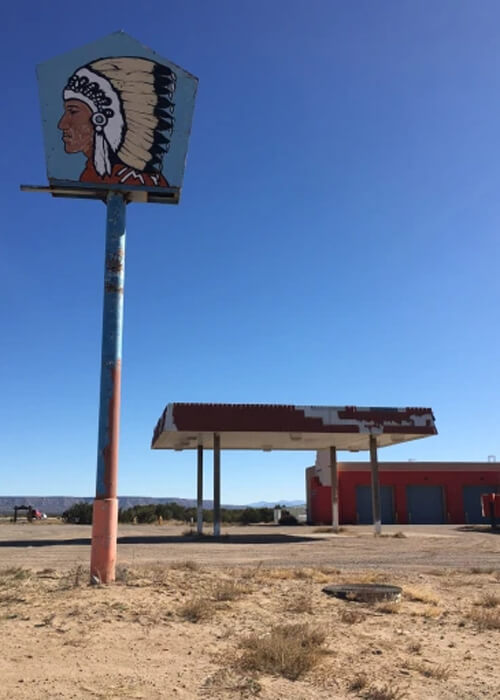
x=337, y=240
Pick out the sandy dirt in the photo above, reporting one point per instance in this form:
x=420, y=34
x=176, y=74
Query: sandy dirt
x=175, y=623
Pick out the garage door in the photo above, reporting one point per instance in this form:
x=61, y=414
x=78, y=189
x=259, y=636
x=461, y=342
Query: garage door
x=472, y=503
x=364, y=504
x=425, y=505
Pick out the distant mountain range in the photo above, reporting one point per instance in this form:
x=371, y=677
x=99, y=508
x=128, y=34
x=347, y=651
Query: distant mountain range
x=56, y=505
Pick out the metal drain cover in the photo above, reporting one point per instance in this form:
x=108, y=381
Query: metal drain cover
x=365, y=592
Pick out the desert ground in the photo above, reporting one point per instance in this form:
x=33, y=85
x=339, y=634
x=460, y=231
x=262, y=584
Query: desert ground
x=246, y=617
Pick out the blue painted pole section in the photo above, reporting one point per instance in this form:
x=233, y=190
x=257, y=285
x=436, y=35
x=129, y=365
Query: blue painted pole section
x=104, y=529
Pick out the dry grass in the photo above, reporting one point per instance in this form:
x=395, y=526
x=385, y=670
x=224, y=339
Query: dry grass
x=437, y=672
x=420, y=595
x=196, y=610
x=329, y=570
x=224, y=680
x=303, y=574
x=415, y=647
x=287, y=650
x=16, y=573
x=9, y=598
x=277, y=574
x=488, y=600
x=429, y=612
x=301, y=603
x=399, y=535
x=389, y=608
x=485, y=619
x=385, y=692
x=122, y=574
x=370, y=577
x=482, y=570
x=359, y=682
x=228, y=590
x=186, y=565
x=250, y=573
x=350, y=616
x=291, y=573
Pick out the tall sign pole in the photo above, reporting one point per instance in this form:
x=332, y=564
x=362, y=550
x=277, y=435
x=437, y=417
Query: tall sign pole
x=116, y=122
x=105, y=512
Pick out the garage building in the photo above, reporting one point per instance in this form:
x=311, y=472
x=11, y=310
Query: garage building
x=411, y=492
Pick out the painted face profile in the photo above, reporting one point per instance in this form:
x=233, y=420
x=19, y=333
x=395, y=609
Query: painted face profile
x=119, y=112
x=77, y=128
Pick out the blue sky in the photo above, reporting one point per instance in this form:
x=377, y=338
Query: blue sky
x=337, y=240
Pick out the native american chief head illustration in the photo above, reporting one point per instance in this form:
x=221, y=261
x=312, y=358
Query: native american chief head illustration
x=119, y=112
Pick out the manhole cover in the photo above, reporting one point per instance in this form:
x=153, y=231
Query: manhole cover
x=367, y=592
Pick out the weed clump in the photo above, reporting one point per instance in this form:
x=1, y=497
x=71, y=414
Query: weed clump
x=421, y=595
x=196, y=610
x=385, y=692
x=486, y=619
x=228, y=590
x=388, y=608
x=287, y=650
x=17, y=573
x=122, y=574
x=359, y=682
x=186, y=565
x=439, y=673
x=299, y=604
x=350, y=617
x=488, y=600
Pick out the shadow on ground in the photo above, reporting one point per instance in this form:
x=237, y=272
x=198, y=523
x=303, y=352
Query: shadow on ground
x=167, y=539
x=484, y=529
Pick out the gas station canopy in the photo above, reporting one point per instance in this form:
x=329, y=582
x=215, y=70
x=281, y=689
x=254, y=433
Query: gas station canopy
x=185, y=426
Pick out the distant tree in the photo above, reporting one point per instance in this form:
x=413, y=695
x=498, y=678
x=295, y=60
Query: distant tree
x=208, y=516
x=79, y=513
x=266, y=515
x=287, y=518
x=125, y=515
x=175, y=511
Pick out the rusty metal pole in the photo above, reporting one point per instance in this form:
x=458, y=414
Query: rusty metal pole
x=199, y=504
x=335, y=488
x=377, y=520
x=105, y=514
x=216, y=485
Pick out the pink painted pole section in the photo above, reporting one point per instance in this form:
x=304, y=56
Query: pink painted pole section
x=104, y=532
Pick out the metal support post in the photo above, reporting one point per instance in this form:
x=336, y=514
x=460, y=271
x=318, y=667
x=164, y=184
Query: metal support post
x=105, y=514
x=216, y=485
x=377, y=520
x=335, y=489
x=199, y=504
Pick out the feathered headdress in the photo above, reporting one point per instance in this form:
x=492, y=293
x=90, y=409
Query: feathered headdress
x=132, y=110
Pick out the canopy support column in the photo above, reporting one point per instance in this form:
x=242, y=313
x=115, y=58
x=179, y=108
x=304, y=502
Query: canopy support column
x=377, y=520
x=216, y=485
x=199, y=503
x=335, y=489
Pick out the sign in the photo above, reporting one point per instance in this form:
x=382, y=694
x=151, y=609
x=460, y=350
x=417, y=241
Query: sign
x=116, y=116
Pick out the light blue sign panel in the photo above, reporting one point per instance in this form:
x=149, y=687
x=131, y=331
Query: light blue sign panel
x=116, y=115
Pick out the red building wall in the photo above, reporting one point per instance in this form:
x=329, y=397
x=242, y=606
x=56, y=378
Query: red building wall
x=442, y=474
